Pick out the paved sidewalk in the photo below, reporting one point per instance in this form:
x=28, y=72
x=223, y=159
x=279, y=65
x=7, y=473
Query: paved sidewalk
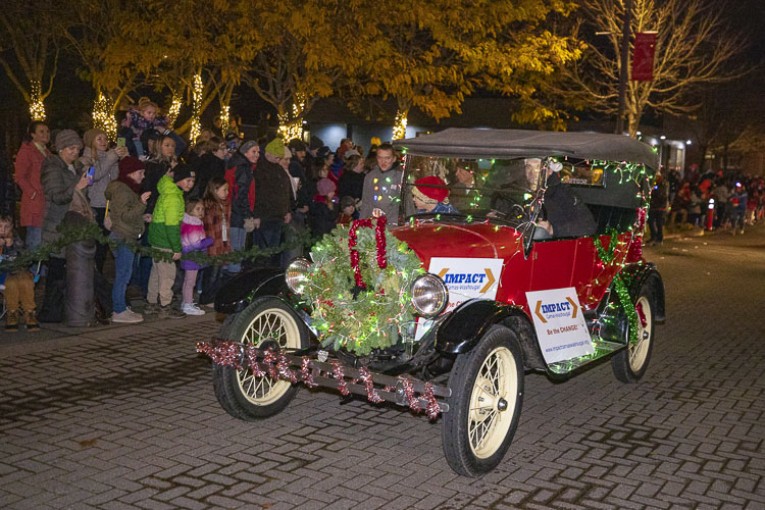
x=124, y=417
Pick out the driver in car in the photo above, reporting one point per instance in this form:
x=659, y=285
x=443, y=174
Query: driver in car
x=566, y=215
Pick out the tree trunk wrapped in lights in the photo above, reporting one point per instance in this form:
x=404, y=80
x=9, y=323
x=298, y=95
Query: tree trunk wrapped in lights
x=103, y=115
x=36, y=105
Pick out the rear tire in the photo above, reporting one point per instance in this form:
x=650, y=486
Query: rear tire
x=630, y=364
x=485, y=406
x=265, y=323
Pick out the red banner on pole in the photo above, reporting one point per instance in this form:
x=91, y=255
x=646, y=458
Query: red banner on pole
x=642, y=57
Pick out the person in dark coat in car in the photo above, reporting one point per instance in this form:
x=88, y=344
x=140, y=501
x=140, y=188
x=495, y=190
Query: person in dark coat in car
x=566, y=214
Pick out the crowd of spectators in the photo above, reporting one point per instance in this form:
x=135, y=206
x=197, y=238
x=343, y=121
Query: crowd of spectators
x=160, y=203
x=677, y=201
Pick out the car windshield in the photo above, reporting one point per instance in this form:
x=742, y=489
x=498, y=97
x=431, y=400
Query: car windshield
x=503, y=190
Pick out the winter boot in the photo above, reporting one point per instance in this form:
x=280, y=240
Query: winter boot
x=31, y=320
x=12, y=320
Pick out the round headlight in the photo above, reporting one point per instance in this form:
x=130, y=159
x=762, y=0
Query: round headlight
x=429, y=295
x=296, y=275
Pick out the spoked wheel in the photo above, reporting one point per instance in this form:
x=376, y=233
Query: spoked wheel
x=630, y=364
x=485, y=406
x=266, y=323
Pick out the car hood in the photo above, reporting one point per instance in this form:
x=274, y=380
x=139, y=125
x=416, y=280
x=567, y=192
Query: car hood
x=471, y=240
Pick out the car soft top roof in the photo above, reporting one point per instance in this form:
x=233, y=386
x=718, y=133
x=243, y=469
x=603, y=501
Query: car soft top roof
x=504, y=143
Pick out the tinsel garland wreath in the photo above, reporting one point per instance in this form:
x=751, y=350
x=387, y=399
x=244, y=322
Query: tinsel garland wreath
x=359, y=287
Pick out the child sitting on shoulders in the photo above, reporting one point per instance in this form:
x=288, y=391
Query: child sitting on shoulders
x=19, y=283
x=193, y=238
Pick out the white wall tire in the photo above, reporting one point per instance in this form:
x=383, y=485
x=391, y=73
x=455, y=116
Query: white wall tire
x=265, y=323
x=630, y=364
x=485, y=406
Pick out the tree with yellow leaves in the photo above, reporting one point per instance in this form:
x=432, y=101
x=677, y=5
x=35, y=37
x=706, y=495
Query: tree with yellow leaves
x=432, y=54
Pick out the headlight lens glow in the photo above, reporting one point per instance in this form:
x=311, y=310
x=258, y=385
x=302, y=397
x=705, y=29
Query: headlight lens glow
x=296, y=275
x=429, y=295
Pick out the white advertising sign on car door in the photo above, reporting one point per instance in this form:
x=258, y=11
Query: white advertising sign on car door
x=559, y=322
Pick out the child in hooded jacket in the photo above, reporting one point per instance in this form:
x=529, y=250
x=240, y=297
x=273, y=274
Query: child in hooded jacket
x=193, y=239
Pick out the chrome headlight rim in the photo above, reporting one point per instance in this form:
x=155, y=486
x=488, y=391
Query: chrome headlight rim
x=296, y=275
x=434, y=301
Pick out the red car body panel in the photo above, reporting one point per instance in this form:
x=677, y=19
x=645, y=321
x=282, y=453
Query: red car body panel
x=550, y=264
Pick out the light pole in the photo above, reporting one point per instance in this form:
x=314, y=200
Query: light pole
x=624, y=63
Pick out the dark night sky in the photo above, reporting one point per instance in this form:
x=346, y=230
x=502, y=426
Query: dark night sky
x=71, y=98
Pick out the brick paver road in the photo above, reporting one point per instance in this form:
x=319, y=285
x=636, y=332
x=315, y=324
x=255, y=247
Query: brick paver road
x=124, y=417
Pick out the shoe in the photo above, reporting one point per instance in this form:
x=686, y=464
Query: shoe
x=31, y=321
x=12, y=320
x=168, y=312
x=741, y=231
x=151, y=309
x=126, y=317
x=191, y=309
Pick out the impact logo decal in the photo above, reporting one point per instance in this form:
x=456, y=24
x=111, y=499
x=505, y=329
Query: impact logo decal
x=466, y=279
x=568, y=308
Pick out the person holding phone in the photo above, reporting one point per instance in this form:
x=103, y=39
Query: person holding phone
x=62, y=174
x=127, y=207
x=102, y=164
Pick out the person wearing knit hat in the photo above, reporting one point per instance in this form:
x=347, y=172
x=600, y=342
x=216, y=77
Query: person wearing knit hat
x=248, y=145
x=323, y=214
x=165, y=236
x=181, y=172
x=127, y=166
x=297, y=145
x=275, y=150
x=431, y=195
x=273, y=201
x=62, y=176
x=326, y=186
x=127, y=206
x=67, y=138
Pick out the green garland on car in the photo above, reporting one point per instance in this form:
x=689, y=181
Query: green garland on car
x=607, y=256
x=350, y=318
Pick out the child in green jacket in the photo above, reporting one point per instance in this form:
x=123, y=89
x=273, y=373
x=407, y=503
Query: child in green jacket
x=165, y=236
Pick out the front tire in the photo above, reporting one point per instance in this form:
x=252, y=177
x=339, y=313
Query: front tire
x=485, y=406
x=266, y=323
x=630, y=364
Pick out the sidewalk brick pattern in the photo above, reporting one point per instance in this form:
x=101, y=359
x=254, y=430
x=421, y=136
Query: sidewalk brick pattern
x=127, y=419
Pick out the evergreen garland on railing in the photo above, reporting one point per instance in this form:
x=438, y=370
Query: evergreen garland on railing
x=92, y=232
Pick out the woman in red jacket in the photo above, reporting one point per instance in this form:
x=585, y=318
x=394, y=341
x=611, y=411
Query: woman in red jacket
x=29, y=160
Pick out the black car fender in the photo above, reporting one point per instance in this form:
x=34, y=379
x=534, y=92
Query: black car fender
x=647, y=274
x=468, y=323
x=243, y=289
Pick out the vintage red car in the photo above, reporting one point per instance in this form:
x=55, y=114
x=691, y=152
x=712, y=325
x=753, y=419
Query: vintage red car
x=514, y=251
